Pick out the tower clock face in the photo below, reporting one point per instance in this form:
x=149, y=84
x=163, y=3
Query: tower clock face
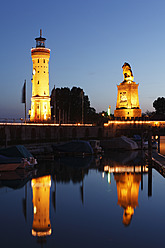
x=123, y=97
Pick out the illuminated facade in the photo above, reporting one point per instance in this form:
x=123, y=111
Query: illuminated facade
x=40, y=101
x=41, y=206
x=127, y=98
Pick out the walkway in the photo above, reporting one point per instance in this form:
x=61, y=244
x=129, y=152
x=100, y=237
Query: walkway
x=159, y=162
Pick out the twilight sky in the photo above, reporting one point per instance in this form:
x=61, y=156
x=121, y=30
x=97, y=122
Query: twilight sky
x=89, y=40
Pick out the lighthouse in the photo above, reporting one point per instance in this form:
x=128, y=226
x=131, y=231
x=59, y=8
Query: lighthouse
x=40, y=101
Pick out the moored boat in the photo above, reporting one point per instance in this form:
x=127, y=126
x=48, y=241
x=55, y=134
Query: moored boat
x=9, y=167
x=73, y=148
x=15, y=157
x=95, y=144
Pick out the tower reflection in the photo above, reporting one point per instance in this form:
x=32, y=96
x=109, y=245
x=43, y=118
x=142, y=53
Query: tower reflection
x=128, y=173
x=127, y=191
x=41, y=206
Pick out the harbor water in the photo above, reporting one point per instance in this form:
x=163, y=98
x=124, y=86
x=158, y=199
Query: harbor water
x=113, y=200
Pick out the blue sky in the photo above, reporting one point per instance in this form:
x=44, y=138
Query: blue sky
x=89, y=40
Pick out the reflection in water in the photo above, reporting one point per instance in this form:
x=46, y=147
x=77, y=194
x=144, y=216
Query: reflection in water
x=128, y=191
x=41, y=201
x=80, y=210
x=128, y=172
x=162, y=145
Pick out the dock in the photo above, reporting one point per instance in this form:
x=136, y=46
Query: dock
x=158, y=162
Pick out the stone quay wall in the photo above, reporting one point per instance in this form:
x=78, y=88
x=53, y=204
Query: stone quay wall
x=20, y=133
x=11, y=134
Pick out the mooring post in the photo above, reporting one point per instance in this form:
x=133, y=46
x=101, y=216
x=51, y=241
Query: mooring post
x=158, y=143
x=141, y=140
x=149, y=180
x=149, y=163
x=150, y=144
x=142, y=164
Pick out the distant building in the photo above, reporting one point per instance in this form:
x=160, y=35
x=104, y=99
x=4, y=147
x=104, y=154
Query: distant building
x=127, y=105
x=40, y=101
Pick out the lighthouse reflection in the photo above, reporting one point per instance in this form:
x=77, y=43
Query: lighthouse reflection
x=41, y=206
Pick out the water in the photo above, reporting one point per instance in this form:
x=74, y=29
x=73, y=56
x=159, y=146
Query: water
x=87, y=202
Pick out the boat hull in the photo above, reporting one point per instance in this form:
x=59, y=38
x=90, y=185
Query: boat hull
x=9, y=167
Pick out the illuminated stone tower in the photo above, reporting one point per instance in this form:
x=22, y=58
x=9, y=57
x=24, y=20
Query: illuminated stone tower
x=127, y=98
x=40, y=101
x=41, y=206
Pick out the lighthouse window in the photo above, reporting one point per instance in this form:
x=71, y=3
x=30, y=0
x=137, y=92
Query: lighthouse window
x=44, y=60
x=38, y=61
x=38, y=81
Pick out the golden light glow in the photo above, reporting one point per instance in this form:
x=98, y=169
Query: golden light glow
x=125, y=169
x=40, y=101
x=41, y=206
x=43, y=124
x=151, y=123
x=156, y=123
x=35, y=210
x=41, y=234
x=109, y=178
x=127, y=191
x=127, y=105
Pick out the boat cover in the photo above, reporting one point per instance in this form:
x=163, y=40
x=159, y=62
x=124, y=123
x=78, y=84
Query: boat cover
x=74, y=146
x=18, y=151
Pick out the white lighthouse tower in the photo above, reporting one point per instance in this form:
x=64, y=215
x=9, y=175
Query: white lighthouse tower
x=40, y=101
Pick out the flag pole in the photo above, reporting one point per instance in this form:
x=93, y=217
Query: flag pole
x=24, y=97
x=25, y=100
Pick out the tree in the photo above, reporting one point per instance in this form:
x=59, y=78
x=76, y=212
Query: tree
x=71, y=106
x=159, y=105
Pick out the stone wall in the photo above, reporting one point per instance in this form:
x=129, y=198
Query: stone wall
x=24, y=134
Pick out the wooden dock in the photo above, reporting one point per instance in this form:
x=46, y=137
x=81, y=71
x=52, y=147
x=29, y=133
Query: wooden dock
x=158, y=162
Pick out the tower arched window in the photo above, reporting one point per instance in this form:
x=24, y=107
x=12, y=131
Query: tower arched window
x=44, y=60
x=38, y=82
x=38, y=60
